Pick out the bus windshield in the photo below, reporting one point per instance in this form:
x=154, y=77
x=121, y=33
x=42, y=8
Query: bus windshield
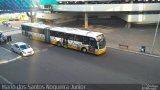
x=102, y=41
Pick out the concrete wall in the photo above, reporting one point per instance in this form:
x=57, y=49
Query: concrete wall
x=140, y=18
x=57, y=18
x=52, y=16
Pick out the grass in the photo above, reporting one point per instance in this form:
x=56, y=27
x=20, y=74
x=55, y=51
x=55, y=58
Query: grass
x=4, y=18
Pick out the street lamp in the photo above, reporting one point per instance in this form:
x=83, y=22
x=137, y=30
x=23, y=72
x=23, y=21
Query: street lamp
x=155, y=35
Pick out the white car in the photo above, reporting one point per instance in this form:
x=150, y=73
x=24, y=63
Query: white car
x=7, y=23
x=22, y=48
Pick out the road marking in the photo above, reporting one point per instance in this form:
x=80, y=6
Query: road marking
x=50, y=45
x=6, y=80
x=11, y=60
x=2, y=62
x=37, y=51
x=151, y=55
x=18, y=57
x=43, y=50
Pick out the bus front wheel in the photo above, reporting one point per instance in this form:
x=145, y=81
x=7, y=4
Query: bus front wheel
x=84, y=50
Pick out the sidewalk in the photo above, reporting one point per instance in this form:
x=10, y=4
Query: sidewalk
x=134, y=38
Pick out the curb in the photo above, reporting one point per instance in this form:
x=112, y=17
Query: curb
x=11, y=60
x=151, y=55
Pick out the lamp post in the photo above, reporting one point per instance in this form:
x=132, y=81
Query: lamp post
x=155, y=35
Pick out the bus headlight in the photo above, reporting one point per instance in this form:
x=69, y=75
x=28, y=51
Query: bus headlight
x=23, y=52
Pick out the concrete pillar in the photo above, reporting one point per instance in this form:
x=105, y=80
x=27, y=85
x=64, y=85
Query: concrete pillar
x=128, y=25
x=86, y=20
x=32, y=16
x=132, y=1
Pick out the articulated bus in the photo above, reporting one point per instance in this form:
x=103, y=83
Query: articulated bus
x=85, y=41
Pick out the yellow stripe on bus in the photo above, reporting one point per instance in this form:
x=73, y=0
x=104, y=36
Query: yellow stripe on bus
x=38, y=38
x=53, y=42
x=100, y=51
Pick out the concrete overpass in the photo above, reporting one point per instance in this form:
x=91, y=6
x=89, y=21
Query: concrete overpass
x=139, y=13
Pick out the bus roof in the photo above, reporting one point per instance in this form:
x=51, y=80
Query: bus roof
x=76, y=31
x=65, y=29
x=36, y=25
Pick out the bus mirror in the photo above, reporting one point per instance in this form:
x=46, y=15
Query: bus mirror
x=98, y=44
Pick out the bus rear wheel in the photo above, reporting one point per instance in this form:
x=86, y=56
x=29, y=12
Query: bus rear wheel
x=58, y=44
x=84, y=50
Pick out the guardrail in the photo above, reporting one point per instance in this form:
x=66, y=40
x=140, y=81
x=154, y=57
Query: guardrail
x=123, y=46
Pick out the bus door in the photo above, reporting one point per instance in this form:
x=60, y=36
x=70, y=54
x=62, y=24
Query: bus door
x=92, y=43
x=71, y=41
x=65, y=39
x=77, y=45
x=74, y=44
x=78, y=39
x=47, y=35
x=24, y=28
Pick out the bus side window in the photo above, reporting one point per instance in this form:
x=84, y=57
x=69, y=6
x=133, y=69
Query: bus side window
x=85, y=40
x=28, y=28
x=70, y=37
x=34, y=30
x=52, y=33
x=78, y=38
x=56, y=34
x=41, y=31
x=60, y=34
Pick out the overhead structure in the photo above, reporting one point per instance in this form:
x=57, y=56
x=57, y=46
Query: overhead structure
x=47, y=2
x=13, y=6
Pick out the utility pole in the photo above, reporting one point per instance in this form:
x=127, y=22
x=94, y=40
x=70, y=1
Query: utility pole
x=155, y=35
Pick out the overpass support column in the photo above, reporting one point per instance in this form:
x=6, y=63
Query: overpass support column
x=86, y=20
x=32, y=16
x=128, y=25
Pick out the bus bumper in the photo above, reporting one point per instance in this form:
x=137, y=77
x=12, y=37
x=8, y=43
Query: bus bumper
x=100, y=51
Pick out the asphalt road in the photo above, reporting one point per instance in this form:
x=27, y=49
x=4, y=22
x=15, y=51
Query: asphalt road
x=52, y=64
